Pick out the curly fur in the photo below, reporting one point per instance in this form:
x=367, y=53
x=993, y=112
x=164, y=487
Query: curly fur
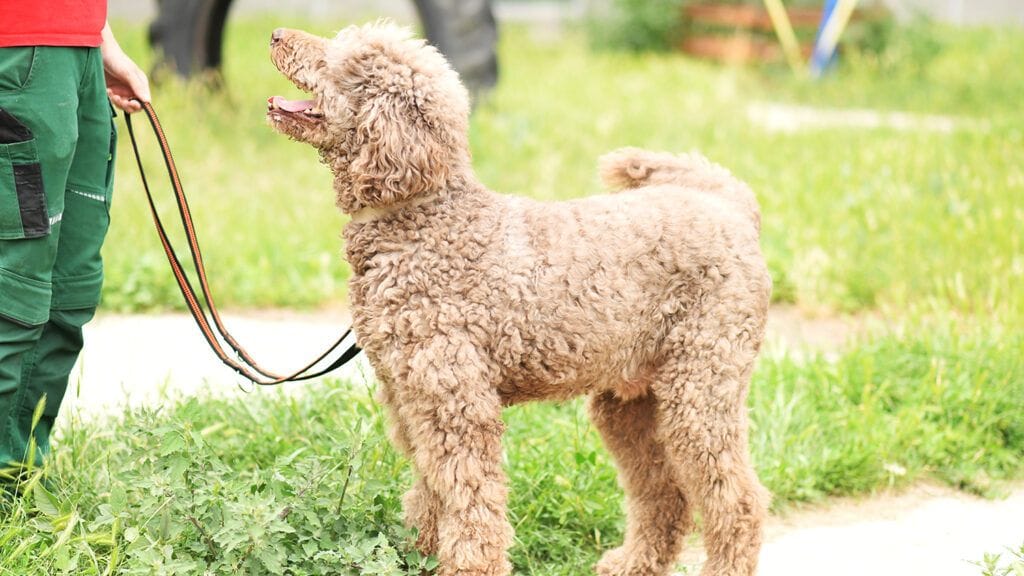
x=651, y=302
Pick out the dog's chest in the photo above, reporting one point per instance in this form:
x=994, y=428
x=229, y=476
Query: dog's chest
x=413, y=285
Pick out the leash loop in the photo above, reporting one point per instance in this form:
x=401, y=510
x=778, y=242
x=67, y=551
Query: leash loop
x=204, y=312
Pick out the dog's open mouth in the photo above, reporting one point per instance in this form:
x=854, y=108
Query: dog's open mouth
x=306, y=109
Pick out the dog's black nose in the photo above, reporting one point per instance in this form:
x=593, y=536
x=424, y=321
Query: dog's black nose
x=276, y=36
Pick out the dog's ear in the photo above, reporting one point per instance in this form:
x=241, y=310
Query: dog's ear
x=399, y=152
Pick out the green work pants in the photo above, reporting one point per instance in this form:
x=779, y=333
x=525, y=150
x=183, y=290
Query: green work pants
x=57, y=144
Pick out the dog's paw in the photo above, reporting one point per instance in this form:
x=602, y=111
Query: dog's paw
x=612, y=563
x=503, y=570
x=500, y=567
x=619, y=562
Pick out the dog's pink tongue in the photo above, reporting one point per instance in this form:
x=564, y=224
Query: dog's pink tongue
x=290, y=105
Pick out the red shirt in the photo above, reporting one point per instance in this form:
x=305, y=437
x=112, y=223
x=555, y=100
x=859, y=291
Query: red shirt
x=52, y=22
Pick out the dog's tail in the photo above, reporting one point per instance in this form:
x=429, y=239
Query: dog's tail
x=628, y=168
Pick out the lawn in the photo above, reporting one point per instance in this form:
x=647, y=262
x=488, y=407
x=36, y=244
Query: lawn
x=854, y=219
x=921, y=228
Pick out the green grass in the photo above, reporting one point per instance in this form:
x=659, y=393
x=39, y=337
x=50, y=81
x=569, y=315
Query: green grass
x=854, y=219
x=308, y=484
x=892, y=411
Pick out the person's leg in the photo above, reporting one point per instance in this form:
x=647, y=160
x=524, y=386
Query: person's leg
x=45, y=373
x=78, y=270
x=15, y=340
x=39, y=101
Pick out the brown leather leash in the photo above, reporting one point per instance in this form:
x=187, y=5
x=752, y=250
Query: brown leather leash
x=207, y=318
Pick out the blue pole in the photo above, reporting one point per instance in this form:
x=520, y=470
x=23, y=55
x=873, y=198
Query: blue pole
x=822, y=56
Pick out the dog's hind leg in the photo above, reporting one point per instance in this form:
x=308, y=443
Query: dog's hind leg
x=703, y=419
x=658, y=516
x=452, y=413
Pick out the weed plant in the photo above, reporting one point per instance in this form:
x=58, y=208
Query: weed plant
x=636, y=25
x=1009, y=564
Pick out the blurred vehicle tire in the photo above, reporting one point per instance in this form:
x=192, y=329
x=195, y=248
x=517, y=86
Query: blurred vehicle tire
x=466, y=33
x=189, y=35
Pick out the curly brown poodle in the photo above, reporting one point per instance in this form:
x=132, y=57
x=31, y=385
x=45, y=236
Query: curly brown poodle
x=650, y=301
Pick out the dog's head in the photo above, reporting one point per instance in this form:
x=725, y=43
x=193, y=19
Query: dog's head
x=388, y=114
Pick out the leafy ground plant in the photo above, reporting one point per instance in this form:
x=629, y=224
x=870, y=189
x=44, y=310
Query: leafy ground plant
x=1010, y=564
x=190, y=493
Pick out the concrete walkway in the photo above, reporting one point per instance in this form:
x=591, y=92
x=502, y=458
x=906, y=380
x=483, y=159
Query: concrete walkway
x=138, y=360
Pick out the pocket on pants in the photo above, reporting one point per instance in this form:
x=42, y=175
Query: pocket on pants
x=23, y=210
x=16, y=66
x=111, y=160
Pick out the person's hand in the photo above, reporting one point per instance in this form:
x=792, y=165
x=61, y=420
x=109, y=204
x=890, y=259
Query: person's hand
x=125, y=80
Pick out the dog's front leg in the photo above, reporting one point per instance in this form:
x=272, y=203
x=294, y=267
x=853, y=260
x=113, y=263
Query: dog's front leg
x=452, y=413
x=420, y=504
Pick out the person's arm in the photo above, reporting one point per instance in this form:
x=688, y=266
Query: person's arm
x=125, y=80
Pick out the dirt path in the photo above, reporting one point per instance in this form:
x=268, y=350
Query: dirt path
x=148, y=360
x=927, y=531
x=141, y=359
